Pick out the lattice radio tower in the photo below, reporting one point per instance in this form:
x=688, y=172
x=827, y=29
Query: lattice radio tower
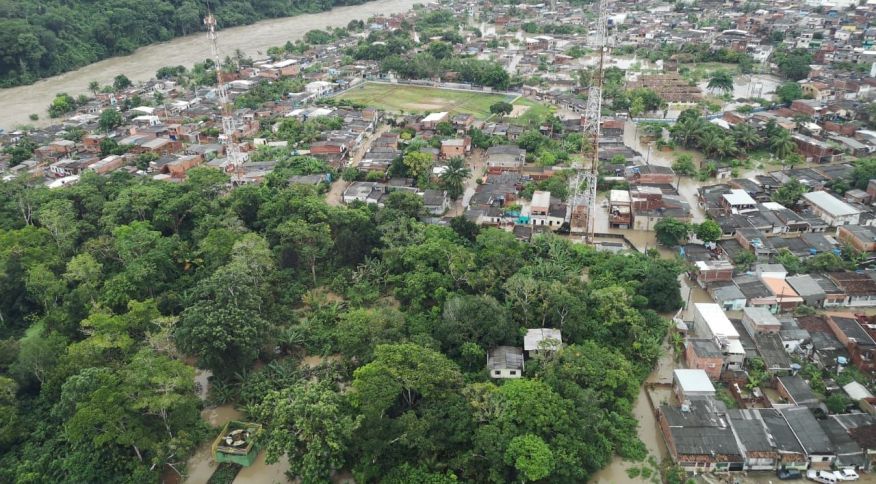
x=234, y=159
x=582, y=205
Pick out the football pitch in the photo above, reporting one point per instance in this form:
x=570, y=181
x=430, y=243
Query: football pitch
x=419, y=99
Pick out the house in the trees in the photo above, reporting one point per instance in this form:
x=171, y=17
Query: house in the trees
x=542, y=339
x=505, y=362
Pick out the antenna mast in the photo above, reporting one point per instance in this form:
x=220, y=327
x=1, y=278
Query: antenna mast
x=232, y=150
x=582, y=206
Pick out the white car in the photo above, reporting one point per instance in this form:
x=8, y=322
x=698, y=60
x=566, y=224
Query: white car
x=846, y=475
x=824, y=477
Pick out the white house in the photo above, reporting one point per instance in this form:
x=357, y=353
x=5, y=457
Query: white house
x=505, y=362
x=710, y=321
x=542, y=339
x=692, y=384
x=831, y=209
x=318, y=88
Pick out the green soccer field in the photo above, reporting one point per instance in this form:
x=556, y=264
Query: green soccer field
x=418, y=99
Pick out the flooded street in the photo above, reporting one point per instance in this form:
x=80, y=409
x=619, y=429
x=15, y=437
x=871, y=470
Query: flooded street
x=17, y=103
x=649, y=431
x=201, y=465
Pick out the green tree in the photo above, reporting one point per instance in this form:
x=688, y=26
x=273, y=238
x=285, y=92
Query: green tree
x=312, y=424
x=440, y=50
x=837, y=403
x=225, y=327
x=791, y=262
x=61, y=105
x=790, y=193
x=121, y=82
x=789, y=91
x=110, y=119
x=743, y=259
x=417, y=164
x=60, y=219
x=454, y=176
x=684, y=165
x=360, y=330
x=824, y=262
x=501, y=107
x=94, y=87
x=794, y=65
x=721, y=81
x=865, y=170
x=746, y=136
x=531, y=456
x=671, y=232
x=708, y=231
x=309, y=243
x=782, y=145
x=476, y=319
x=402, y=375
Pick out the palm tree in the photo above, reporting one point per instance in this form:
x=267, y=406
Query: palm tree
x=782, y=145
x=711, y=142
x=746, y=136
x=721, y=81
x=94, y=87
x=771, y=128
x=686, y=130
x=454, y=177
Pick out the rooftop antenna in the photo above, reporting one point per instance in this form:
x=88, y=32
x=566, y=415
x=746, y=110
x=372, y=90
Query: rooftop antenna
x=234, y=159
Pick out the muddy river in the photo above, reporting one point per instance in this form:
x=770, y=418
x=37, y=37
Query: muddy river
x=17, y=103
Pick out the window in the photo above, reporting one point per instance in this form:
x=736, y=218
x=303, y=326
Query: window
x=497, y=372
x=513, y=372
x=825, y=459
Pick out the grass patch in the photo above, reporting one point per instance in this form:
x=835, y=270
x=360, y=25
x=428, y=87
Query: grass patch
x=725, y=396
x=419, y=99
x=225, y=473
x=534, y=114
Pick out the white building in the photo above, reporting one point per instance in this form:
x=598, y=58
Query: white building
x=542, y=339
x=831, y=209
x=711, y=322
x=505, y=362
x=692, y=384
x=318, y=88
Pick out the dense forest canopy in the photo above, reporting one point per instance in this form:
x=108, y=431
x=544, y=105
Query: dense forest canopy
x=41, y=38
x=108, y=285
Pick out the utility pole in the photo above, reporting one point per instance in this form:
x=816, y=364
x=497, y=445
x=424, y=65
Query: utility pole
x=234, y=159
x=582, y=206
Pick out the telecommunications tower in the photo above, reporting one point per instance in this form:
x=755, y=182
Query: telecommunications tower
x=234, y=159
x=582, y=202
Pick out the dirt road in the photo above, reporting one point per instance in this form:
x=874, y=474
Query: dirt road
x=335, y=195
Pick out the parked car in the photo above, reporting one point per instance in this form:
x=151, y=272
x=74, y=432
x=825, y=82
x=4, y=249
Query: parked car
x=824, y=477
x=789, y=474
x=846, y=475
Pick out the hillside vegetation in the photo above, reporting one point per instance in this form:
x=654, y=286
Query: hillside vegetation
x=111, y=289
x=41, y=38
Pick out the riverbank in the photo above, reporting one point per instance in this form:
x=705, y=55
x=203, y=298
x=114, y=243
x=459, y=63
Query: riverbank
x=17, y=103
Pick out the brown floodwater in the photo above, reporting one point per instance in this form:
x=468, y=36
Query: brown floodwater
x=17, y=103
x=201, y=465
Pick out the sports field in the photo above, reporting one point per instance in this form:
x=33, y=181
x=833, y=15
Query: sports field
x=418, y=99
